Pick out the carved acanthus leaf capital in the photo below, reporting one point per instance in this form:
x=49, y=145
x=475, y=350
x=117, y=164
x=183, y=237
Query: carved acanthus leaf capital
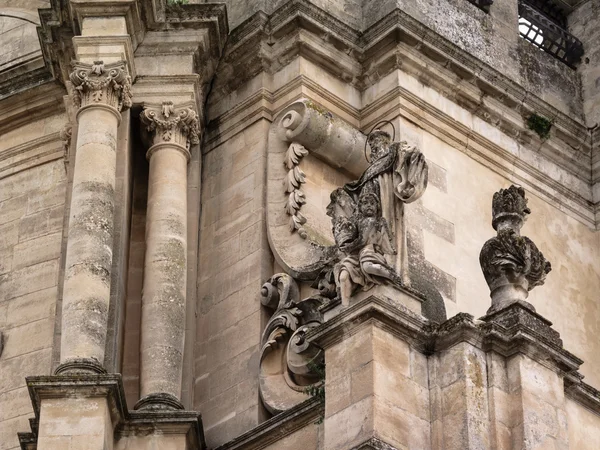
x=169, y=123
x=98, y=83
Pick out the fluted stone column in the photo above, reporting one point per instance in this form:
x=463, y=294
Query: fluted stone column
x=100, y=93
x=172, y=129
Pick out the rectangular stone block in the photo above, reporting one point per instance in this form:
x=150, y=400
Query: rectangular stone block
x=41, y=223
x=86, y=419
x=12, y=209
x=29, y=337
x=28, y=279
x=46, y=198
x=37, y=250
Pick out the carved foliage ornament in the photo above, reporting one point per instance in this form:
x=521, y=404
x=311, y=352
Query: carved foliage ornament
x=293, y=184
x=99, y=83
x=287, y=361
x=511, y=263
x=169, y=123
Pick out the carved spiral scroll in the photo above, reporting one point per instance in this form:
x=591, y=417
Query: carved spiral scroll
x=287, y=359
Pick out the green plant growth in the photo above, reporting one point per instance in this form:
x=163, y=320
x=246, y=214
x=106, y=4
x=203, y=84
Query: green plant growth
x=317, y=389
x=177, y=2
x=540, y=125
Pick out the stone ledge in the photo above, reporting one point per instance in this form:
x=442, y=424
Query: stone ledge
x=127, y=423
x=277, y=427
x=583, y=393
x=510, y=331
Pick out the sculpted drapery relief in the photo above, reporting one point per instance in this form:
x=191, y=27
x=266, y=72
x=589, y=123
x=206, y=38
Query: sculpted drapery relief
x=361, y=226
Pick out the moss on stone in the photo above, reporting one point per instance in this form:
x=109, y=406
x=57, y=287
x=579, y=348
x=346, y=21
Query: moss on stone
x=540, y=125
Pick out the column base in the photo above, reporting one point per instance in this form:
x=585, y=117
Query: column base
x=158, y=401
x=80, y=365
x=90, y=411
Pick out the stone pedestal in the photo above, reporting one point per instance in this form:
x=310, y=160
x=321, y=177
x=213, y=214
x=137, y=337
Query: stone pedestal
x=395, y=380
x=164, y=294
x=89, y=412
x=376, y=384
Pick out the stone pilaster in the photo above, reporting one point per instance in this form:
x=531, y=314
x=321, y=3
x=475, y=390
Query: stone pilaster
x=376, y=383
x=100, y=93
x=172, y=130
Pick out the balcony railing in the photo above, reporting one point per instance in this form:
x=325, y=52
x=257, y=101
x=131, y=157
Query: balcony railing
x=544, y=33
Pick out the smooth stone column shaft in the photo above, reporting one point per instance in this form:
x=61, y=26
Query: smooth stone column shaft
x=164, y=294
x=86, y=294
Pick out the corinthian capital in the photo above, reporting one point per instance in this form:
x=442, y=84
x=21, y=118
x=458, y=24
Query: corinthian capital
x=99, y=83
x=168, y=123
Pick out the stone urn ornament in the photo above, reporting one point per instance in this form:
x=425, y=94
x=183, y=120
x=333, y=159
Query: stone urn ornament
x=512, y=264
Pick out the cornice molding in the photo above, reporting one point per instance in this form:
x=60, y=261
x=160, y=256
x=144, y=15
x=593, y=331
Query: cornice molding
x=510, y=331
x=278, y=427
x=30, y=154
x=126, y=423
x=266, y=44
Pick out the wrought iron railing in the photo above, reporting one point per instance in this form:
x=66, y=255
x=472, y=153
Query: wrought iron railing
x=483, y=4
x=544, y=33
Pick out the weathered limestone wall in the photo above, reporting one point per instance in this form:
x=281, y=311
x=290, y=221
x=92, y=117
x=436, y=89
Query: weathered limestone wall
x=32, y=196
x=584, y=427
x=234, y=262
x=569, y=297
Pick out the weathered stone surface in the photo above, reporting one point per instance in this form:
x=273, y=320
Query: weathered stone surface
x=511, y=263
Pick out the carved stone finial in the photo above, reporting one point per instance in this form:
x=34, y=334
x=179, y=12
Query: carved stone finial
x=99, y=83
x=169, y=123
x=511, y=263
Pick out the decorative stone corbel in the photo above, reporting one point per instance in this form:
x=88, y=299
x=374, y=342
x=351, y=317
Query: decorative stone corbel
x=98, y=83
x=511, y=263
x=289, y=364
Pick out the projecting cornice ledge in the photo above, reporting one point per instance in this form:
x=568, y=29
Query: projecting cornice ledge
x=59, y=21
x=495, y=108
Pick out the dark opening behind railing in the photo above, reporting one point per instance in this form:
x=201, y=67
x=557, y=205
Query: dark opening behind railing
x=544, y=33
x=482, y=4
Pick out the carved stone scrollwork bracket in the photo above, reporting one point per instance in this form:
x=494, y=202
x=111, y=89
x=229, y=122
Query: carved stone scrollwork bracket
x=287, y=360
x=511, y=263
x=100, y=84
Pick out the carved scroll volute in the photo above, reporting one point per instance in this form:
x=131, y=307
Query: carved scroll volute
x=287, y=359
x=301, y=129
x=511, y=263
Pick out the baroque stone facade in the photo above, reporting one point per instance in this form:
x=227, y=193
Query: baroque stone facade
x=266, y=225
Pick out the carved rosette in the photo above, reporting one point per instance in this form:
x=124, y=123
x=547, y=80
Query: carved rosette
x=98, y=83
x=171, y=124
x=289, y=365
x=512, y=264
